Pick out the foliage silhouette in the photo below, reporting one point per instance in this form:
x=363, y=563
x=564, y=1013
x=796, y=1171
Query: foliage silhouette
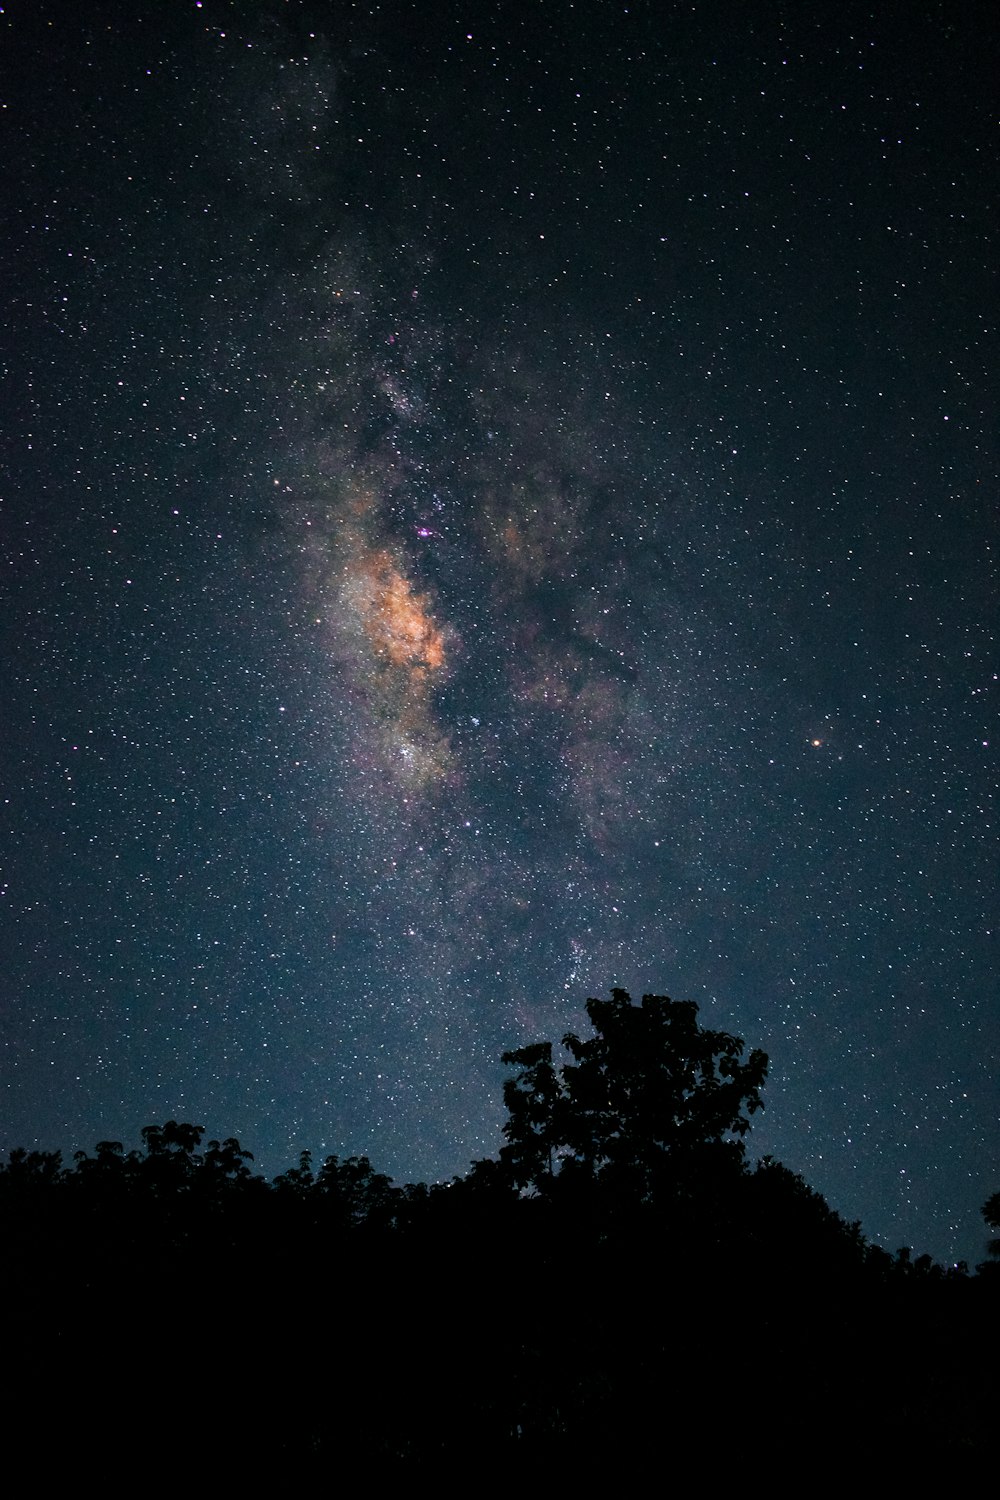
x=649, y=1100
x=991, y=1214
x=580, y=1301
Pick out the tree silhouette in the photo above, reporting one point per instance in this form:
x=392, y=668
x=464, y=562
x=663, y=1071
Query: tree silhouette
x=991, y=1213
x=650, y=1097
x=622, y=1181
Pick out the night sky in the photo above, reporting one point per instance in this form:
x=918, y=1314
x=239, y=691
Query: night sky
x=497, y=503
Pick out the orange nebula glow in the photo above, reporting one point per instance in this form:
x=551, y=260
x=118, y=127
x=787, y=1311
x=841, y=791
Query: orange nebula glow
x=398, y=621
x=388, y=638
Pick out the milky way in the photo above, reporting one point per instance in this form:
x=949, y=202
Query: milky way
x=497, y=512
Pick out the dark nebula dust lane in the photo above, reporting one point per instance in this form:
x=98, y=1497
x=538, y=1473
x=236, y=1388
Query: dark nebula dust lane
x=498, y=504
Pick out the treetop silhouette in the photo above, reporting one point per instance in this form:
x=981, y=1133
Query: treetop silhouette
x=647, y=1096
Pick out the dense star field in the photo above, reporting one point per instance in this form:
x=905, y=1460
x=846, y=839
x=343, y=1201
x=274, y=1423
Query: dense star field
x=497, y=504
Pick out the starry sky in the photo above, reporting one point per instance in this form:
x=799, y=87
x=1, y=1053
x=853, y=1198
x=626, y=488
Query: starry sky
x=498, y=502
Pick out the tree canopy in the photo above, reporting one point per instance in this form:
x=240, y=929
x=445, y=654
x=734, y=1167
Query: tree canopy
x=644, y=1099
x=622, y=1185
